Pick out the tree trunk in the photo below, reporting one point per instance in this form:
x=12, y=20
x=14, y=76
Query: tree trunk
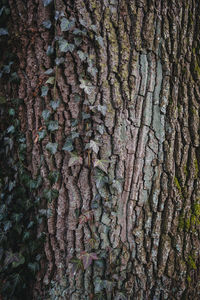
x=125, y=224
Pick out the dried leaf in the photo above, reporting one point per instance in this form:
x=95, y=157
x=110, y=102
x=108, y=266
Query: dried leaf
x=51, y=80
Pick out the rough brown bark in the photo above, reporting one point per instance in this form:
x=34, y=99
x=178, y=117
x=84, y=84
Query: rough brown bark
x=146, y=235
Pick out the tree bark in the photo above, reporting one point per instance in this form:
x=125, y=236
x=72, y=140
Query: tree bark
x=131, y=195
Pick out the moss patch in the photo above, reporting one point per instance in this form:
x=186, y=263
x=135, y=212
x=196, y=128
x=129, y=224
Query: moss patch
x=196, y=167
x=176, y=182
x=191, y=263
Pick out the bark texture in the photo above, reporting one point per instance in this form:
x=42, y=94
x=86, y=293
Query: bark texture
x=145, y=229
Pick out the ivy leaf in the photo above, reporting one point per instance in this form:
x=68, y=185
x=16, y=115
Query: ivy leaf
x=14, y=77
x=87, y=86
x=108, y=285
x=11, y=129
x=93, y=27
x=50, y=50
x=83, y=56
x=50, y=80
x=121, y=296
x=117, y=184
x=100, y=129
x=74, y=122
x=53, y=125
x=96, y=201
x=58, y=14
x=44, y=90
x=53, y=176
x=26, y=235
x=93, y=145
x=34, y=267
x=101, y=164
x=46, y=2
x=17, y=217
x=87, y=258
x=2, y=10
x=99, y=40
x=46, y=114
x=83, y=23
x=77, y=98
x=99, y=286
x=59, y=60
x=66, y=24
x=50, y=195
x=102, y=109
x=7, y=225
x=100, y=179
x=10, y=257
x=47, y=24
x=74, y=135
x=64, y=46
x=55, y=104
x=3, y=31
x=76, y=265
x=49, y=71
x=79, y=32
x=21, y=261
x=92, y=70
x=75, y=160
x=42, y=134
x=6, y=68
x=68, y=146
x=52, y=147
x=85, y=116
x=78, y=40
x=11, y=112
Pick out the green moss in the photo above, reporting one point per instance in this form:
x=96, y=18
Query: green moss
x=185, y=170
x=194, y=111
x=196, y=168
x=196, y=67
x=176, y=182
x=181, y=223
x=187, y=224
x=170, y=100
x=189, y=279
x=179, y=108
x=193, y=220
x=196, y=209
x=191, y=263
